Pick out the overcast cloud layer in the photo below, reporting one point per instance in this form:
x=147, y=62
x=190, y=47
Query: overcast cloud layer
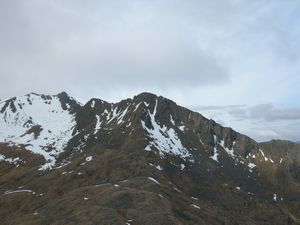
x=261, y=122
x=199, y=53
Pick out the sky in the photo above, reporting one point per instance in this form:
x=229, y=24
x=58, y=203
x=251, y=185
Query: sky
x=235, y=61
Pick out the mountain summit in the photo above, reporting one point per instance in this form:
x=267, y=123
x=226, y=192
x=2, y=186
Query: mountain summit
x=143, y=160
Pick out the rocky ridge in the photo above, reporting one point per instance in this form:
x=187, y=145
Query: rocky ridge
x=147, y=148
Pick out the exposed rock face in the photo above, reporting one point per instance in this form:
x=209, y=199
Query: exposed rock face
x=144, y=160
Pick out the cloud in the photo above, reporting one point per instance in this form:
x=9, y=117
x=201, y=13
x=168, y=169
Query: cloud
x=270, y=113
x=269, y=134
x=261, y=122
x=156, y=45
x=267, y=112
x=125, y=44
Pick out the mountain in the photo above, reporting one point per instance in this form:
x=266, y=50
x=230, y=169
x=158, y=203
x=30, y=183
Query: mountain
x=143, y=160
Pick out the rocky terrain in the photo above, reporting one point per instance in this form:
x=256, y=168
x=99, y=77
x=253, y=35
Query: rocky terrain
x=144, y=160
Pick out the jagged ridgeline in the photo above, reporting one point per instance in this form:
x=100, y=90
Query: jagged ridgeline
x=144, y=160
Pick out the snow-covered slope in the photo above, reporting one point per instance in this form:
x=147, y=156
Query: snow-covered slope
x=37, y=122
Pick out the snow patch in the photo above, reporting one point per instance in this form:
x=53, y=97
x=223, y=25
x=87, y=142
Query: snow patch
x=120, y=118
x=266, y=158
x=93, y=104
x=158, y=167
x=98, y=124
x=182, y=166
x=152, y=179
x=18, y=191
x=172, y=121
x=215, y=155
x=14, y=161
x=182, y=127
x=164, y=139
x=195, y=206
x=148, y=148
x=201, y=141
x=275, y=197
x=137, y=106
x=176, y=189
x=251, y=167
x=112, y=115
x=229, y=151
